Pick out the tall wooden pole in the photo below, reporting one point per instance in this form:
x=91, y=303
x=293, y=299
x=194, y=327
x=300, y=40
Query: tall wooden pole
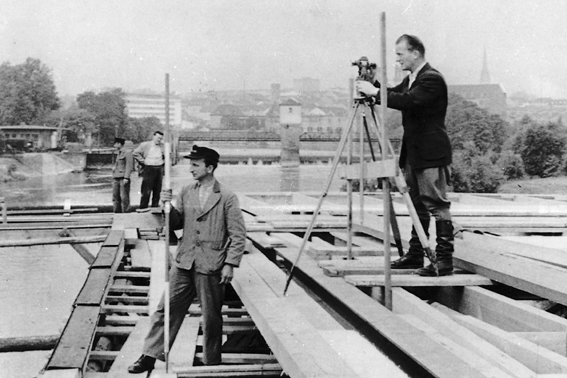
x=385, y=182
x=167, y=210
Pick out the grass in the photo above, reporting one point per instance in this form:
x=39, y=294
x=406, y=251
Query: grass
x=549, y=185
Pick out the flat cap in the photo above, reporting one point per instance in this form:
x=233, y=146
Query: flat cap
x=203, y=153
x=119, y=140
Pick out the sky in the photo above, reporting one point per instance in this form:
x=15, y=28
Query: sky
x=250, y=44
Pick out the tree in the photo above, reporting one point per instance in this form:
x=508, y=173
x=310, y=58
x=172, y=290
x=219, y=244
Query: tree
x=466, y=122
x=27, y=93
x=75, y=122
x=473, y=172
x=109, y=111
x=542, y=149
x=140, y=129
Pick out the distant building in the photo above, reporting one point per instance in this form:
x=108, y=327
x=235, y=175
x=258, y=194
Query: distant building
x=484, y=74
x=491, y=97
x=140, y=105
x=30, y=136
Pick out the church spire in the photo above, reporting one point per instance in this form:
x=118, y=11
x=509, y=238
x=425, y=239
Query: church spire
x=484, y=75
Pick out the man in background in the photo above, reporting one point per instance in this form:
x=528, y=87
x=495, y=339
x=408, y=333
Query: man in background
x=426, y=151
x=121, y=177
x=150, y=157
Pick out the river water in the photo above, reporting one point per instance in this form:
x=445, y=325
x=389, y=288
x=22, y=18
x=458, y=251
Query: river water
x=38, y=285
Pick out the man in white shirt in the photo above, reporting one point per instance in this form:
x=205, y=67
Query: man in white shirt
x=150, y=157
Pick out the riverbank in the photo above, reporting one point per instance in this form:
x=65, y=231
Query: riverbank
x=24, y=166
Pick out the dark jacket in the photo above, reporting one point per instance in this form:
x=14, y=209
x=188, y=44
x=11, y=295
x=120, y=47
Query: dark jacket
x=213, y=236
x=425, y=142
x=124, y=164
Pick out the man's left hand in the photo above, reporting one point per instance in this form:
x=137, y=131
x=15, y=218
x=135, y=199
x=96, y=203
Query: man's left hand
x=226, y=274
x=366, y=87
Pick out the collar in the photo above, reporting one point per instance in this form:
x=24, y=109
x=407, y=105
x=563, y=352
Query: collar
x=414, y=74
x=208, y=185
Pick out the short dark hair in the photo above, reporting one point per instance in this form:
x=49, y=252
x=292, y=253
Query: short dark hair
x=211, y=161
x=414, y=43
x=158, y=132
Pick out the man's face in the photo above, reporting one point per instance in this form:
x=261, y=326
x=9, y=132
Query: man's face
x=117, y=145
x=199, y=170
x=157, y=138
x=406, y=57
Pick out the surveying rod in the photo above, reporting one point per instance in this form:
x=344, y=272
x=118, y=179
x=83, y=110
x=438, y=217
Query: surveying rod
x=385, y=182
x=167, y=210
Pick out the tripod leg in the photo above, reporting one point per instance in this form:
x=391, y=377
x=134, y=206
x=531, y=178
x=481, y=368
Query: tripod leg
x=393, y=219
x=336, y=160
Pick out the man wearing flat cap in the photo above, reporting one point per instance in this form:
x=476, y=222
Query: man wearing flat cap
x=214, y=237
x=121, y=177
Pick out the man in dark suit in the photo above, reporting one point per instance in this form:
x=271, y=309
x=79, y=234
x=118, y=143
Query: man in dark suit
x=426, y=151
x=214, y=238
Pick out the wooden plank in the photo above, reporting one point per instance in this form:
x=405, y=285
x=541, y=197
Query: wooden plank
x=299, y=349
x=243, y=358
x=130, y=236
x=499, y=310
x=389, y=328
x=74, y=345
x=141, y=257
x=114, y=331
x=114, y=238
x=539, y=253
x=137, y=220
x=371, y=170
x=264, y=240
x=554, y=341
x=471, y=358
x=545, y=280
x=183, y=350
x=126, y=274
x=129, y=289
x=131, y=350
x=94, y=288
x=51, y=241
x=361, y=356
x=252, y=370
x=341, y=268
x=477, y=348
x=62, y=373
x=328, y=252
x=124, y=308
x=416, y=280
x=540, y=360
x=108, y=257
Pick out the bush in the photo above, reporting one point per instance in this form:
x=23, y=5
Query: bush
x=511, y=165
x=542, y=150
x=475, y=173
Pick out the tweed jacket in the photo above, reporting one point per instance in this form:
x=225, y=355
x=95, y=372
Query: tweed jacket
x=213, y=236
x=425, y=142
x=124, y=164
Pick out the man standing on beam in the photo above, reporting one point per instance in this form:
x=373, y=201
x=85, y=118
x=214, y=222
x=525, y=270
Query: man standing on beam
x=214, y=238
x=426, y=151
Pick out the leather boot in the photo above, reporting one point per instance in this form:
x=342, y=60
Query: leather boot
x=144, y=363
x=413, y=259
x=443, y=250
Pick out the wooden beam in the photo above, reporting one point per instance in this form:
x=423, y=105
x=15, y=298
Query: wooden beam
x=183, y=350
x=51, y=241
x=554, y=341
x=478, y=349
x=499, y=310
x=79, y=248
x=94, y=288
x=545, y=280
x=249, y=370
x=415, y=280
x=540, y=360
x=131, y=350
x=28, y=343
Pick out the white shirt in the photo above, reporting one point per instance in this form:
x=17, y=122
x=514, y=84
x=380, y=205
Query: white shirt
x=204, y=193
x=155, y=156
x=413, y=75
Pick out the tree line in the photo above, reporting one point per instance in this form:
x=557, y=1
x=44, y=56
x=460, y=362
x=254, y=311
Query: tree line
x=487, y=150
x=28, y=96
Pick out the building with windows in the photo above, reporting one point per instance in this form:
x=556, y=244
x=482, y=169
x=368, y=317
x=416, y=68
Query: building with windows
x=29, y=137
x=140, y=105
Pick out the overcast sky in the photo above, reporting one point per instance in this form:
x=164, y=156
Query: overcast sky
x=250, y=44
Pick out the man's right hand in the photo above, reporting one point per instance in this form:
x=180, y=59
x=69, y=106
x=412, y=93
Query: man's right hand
x=165, y=195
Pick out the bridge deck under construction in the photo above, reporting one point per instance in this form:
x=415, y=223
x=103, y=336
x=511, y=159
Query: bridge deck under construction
x=500, y=315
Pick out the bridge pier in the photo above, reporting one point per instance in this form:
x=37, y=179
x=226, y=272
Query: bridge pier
x=290, y=130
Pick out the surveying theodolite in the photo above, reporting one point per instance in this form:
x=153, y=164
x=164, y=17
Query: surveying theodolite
x=385, y=168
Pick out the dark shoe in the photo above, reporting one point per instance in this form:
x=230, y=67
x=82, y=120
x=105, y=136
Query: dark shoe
x=408, y=261
x=144, y=363
x=445, y=269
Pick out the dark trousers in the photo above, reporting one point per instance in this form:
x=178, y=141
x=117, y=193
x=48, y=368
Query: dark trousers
x=184, y=286
x=151, y=185
x=121, y=195
x=428, y=191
